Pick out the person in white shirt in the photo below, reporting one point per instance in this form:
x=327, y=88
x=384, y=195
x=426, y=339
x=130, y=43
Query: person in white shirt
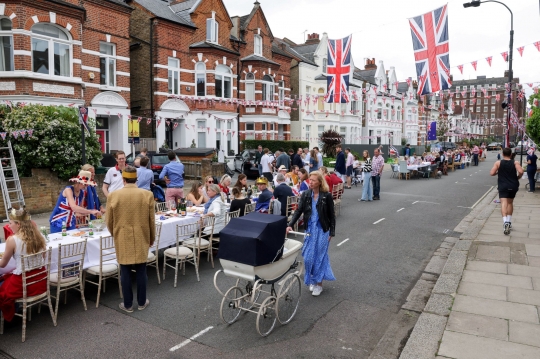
x=319, y=156
x=306, y=159
x=113, y=179
x=283, y=170
x=266, y=162
x=411, y=160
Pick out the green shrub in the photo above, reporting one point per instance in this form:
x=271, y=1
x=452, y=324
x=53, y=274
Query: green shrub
x=326, y=162
x=55, y=142
x=274, y=145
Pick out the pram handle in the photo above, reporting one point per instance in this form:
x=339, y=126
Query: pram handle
x=299, y=233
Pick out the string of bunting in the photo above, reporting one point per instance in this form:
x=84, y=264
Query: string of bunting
x=17, y=133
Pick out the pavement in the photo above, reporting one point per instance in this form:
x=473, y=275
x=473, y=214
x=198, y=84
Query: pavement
x=379, y=256
x=486, y=301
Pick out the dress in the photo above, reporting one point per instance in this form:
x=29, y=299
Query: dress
x=315, y=250
x=62, y=212
x=91, y=200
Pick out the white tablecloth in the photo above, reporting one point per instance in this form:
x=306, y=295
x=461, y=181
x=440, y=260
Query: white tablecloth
x=167, y=238
x=416, y=167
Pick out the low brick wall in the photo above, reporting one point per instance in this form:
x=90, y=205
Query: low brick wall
x=41, y=191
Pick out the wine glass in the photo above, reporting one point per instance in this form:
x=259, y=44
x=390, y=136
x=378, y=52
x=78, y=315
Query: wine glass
x=98, y=225
x=172, y=205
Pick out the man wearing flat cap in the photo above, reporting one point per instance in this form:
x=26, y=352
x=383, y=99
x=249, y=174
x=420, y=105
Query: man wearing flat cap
x=263, y=203
x=131, y=221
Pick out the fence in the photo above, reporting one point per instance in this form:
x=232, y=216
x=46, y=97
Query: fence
x=199, y=170
x=149, y=143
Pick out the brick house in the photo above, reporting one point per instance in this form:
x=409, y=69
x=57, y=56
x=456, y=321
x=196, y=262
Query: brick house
x=71, y=53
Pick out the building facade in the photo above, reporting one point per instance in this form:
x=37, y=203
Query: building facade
x=70, y=53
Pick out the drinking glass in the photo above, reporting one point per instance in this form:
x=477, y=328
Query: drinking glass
x=172, y=205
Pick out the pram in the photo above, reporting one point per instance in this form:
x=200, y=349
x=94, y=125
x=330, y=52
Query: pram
x=357, y=177
x=280, y=274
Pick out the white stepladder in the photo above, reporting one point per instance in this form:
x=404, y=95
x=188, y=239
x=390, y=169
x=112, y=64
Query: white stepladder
x=278, y=302
x=9, y=179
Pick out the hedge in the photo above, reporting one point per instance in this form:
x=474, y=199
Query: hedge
x=273, y=145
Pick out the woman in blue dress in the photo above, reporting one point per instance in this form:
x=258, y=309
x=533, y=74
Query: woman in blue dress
x=70, y=203
x=91, y=199
x=317, y=206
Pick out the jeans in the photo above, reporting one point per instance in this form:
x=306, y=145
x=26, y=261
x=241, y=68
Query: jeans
x=376, y=180
x=530, y=174
x=259, y=167
x=367, y=194
x=127, y=288
x=475, y=159
x=341, y=175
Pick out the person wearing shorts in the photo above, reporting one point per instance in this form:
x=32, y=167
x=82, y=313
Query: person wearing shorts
x=508, y=172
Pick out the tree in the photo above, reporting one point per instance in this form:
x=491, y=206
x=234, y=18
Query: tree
x=533, y=122
x=55, y=142
x=330, y=140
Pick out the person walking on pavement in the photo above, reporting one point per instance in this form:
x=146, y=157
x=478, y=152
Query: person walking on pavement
x=367, y=188
x=377, y=166
x=531, y=168
x=319, y=157
x=476, y=152
x=266, y=162
x=131, y=221
x=174, y=171
x=297, y=159
x=283, y=160
x=258, y=156
x=340, y=168
x=509, y=172
x=349, y=166
x=317, y=206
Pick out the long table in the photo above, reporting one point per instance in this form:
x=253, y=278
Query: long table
x=167, y=238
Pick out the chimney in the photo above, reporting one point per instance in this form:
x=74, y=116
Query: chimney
x=313, y=39
x=370, y=64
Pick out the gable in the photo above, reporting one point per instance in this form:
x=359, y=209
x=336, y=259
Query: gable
x=254, y=20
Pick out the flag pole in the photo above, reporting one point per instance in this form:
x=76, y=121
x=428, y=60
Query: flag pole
x=83, y=140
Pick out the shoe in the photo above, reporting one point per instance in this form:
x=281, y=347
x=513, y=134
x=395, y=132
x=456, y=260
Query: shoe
x=376, y=198
x=311, y=287
x=317, y=291
x=510, y=223
x=128, y=310
x=142, y=307
x=361, y=200
x=507, y=228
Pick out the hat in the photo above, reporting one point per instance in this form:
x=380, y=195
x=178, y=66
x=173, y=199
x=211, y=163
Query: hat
x=282, y=167
x=262, y=180
x=18, y=214
x=84, y=177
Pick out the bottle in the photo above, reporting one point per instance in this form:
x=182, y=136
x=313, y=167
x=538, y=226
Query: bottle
x=91, y=228
x=64, y=229
x=178, y=206
x=183, y=211
x=228, y=198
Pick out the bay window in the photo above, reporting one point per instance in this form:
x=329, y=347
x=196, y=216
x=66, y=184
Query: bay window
x=6, y=45
x=281, y=90
x=51, y=48
x=223, y=81
x=268, y=88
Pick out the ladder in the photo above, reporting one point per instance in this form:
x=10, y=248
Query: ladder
x=9, y=180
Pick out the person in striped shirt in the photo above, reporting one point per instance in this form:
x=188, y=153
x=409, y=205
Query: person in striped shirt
x=377, y=166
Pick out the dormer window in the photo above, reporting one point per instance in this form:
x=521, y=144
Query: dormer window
x=257, y=45
x=212, y=29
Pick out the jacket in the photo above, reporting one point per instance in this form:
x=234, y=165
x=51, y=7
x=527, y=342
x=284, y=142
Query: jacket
x=325, y=209
x=340, y=163
x=131, y=221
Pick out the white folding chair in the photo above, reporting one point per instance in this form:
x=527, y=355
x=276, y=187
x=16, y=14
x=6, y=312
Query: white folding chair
x=35, y=269
x=108, y=266
x=70, y=270
x=202, y=242
x=153, y=258
x=250, y=207
x=181, y=254
x=292, y=205
x=229, y=215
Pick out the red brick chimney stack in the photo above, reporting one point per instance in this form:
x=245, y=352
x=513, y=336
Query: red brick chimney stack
x=370, y=64
x=313, y=39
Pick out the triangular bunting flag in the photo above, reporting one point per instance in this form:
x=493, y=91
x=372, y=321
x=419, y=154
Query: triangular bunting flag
x=474, y=63
x=505, y=55
x=460, y=67
x=537, y=45
x=3, y=134
x=488, y=59
x=520, y=50
x=30, y=132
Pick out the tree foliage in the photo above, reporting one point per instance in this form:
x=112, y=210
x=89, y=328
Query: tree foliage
x=330, y=139
x=533, y=122
x=55, y=141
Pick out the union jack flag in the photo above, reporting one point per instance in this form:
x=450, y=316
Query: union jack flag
x=338, y=70
x=83, y=117
x=431, y=50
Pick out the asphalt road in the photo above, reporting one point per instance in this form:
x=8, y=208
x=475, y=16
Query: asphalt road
x=378, y=253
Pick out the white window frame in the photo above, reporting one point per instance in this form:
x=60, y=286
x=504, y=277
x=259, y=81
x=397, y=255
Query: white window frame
x=493, y=100
x=281, y=93
x=172, y=72
x=8, y=34
x=324, y=65
x=212, y=29
x=250, y=87
x=379, y=113
x=308, y=132
x=108, y=59
x=492, y=108
x=51, y=41
x=485, y=109
x=203, y=131
x=268, y=88
x=202, y=74
x=257, y=45
x=229, y=137
x=222, y=74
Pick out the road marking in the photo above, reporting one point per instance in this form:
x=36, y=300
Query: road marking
x=380, y=220
x=401, y=209
x=418, y=201
x=424, y=202
x=187, y=341
x=340, y=243
x=464, y=178
x=464, y=207
x=445, y=231
x=481, y=198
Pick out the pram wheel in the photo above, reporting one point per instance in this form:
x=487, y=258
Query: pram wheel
x=231, y=305
x=266, y=318
x=288, y=298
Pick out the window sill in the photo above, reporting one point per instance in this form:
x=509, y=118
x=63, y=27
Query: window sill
x=109, y=88
x=39, y=76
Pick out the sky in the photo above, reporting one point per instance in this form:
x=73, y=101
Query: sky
x=381, y=30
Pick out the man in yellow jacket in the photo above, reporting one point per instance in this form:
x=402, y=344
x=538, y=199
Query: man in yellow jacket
x=131, y=221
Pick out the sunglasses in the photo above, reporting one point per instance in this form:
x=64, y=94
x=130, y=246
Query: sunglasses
x=210, y=182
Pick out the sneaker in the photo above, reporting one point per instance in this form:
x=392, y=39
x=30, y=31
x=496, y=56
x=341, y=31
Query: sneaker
x=142, y=307
x=311, y=286
x=510, y=223
x=128, y=310
x=361, y=200
x=317, y=291
x=506, y=228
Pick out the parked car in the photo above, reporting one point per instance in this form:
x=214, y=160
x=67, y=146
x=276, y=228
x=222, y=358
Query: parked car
x=517, y=149
x=244, y=162
x=494, y=146
x=445, y=146
x=157, y=161
x=512, y=145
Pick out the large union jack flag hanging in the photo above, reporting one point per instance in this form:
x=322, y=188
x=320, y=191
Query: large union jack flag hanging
x=431, y=50
x=338, y=70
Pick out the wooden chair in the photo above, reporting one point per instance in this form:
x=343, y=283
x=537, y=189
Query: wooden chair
x=70, y=270
x=107, y=268
x=161, y=207
x=153, y=258
x=229, y=215
x=202, y=241
x=292, y=205
x=250, y=207
x=181, y=254
x=451, y=166
x=337, y=192
x=40, y=266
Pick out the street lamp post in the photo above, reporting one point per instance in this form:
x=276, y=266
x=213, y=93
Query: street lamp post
x=508, y=106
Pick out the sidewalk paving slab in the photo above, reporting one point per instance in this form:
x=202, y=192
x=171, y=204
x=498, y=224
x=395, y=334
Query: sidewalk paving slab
x=536, y=283
x=497, y=279
x=501, y=268
x=534, y=261
x=465, y=346
x=521, y=270
x=496, y=308
x=480, y=325
x=525, y=296
x=493, y=253
x=533, y=249
x=482, y=290
x=524, y=333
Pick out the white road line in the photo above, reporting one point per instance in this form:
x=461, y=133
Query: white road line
x=424, y=202
x=415, y=202
x=445, y=231
x=187, y=341
x=481, y=198
x=464, y=207
x=340, y=243
x=380, y=220
x=401, y=209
